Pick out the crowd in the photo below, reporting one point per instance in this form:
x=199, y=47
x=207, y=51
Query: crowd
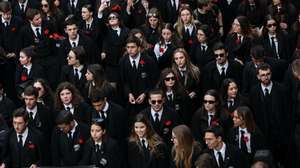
x=150, y=83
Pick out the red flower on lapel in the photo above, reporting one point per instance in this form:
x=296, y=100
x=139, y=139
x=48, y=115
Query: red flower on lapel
x=190, y=41
x=13, y=29
x=80, y=141
x=142, y=62
x=56, y=36
x=237, y=41
x=168, y=122
x=246, y=139
x=46, y=31
x=161, y=49
x=215, y=122
x=31, y=146
x=23, y=77
x=116, y=8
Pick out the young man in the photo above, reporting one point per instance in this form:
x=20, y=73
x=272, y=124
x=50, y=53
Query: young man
x=139, y=74
x=68, y=140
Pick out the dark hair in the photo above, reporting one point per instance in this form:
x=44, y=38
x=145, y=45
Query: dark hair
x=205, y=160
x=214, y=94
x=31, y=91
x=219, y=46
x=98, y=73
x=31, y=13
x=80, y=53
x=202, y=3
x=89, y=7
x=70, y=20
x=97, y=96
x=265, y=30
x=257, y=52
x=5, y=6
x=217, y=130
x=64, y=117
x=149, y=130
x=99, y=122
x=156, y=91
x=29, y=52
x=224, y=88
x=21, y=112
x=246, y=114
x=48, y=91
x=244, y=24
x=135, y=40
x=263, y=67
x=207, y=30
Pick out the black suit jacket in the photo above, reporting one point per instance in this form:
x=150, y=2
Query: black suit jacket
x=17, y=10
x=238, y=50
x=168, y=12
x=67, y=9
x=65, y=153
x=199, y=58
x=165, y=60
x=32, y=152
x=109, y=152
x=67, y=74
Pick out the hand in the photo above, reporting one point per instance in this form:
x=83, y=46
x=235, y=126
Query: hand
x=221, y=31
x=141, y=98
x=131, y=98
x=33, y=166
x=103, y=55
x=192, y=95
x=129, y=3
x=239, y=61
x=283, y=25
x=11, y=55
x=2, y=165
x=102, y=7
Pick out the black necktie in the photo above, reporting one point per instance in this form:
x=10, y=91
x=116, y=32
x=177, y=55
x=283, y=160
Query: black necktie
x=23, y=8
x=68, y=109
x=38, y=34
x=203, y=49
x=230, y=104
x=73, y=44
x=182, y=73
x=242, y=141
x=274, y=47
x=20, y=141
x=144, y=144
x=211, y=119
x=156, y=120
x=170, y=97
x=223, y=75
x=267, y=93
x=70, y=138
x=102, y=114
x=73, y=5
x=31, y=116
x=98, y=148
x=134, y=65
x=5, y=23
x=76, y=75
x=220, y=159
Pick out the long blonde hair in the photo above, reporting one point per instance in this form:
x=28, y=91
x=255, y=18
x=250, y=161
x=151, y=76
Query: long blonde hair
x=179, y=25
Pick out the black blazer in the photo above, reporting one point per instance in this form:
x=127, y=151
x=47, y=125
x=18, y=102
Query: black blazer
x=67, y=9
x=65, y=153
x=238, y=50
x=32, y=151
x=108, y=157
x=165, y=60
x=17, y=10
x=168, y=12
x=137, y=158
x=67, y=74
x=199, y=58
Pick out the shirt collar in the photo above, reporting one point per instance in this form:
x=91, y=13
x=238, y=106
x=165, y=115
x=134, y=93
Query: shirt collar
x=268, y=87
x=78, y=68
x=70, y=106
x=76, y=40
x=34, y=110
x=74, y=128
x=222, y=150
x=3, y=21
x=28, y=67
x=221, y=66
x=137, y=59
x=25, y=4
x=90, y=22
x=159, y=113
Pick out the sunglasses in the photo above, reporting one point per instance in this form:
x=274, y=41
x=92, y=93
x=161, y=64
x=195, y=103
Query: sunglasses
x=209, y=101
x=152, y=15
x=45, y=5
x=170, y=78
x=38, y=88
x=220, y=55
x=112, y=17
x=156, y=101
x=270, y=25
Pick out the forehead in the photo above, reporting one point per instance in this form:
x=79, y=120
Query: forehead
x=155, y=96
x=18, y=119
x=72, y=26
x=131, y=45
x=264, y=71
x=218, y=51
x=210, y=135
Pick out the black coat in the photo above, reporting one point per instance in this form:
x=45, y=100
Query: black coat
x=67, y=74
x=199, y=58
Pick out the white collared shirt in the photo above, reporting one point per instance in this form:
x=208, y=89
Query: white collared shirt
x=24, y=136
x=190, y=28
x=34, y=29
x=70, y=106
x=176, y=3
x=78, y=70
x=268, y=87
x=105, y=109
x=34, y=111
x=118, y=29
x=28, y=67
x=74, y=128
x=222, y=150
x=25, y=4
x=246, y=134
x=159, y=114
x=209, y=117
x=75, y=2
x=219, y=67
x=76, y=41
x=3, y=21
x=275, y=41
x=137, y=60
x=146, y=142
x=241, y=37
x=1, y=98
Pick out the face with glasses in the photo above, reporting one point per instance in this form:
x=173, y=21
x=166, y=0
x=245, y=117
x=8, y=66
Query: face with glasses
x=170, y=80
x=156, y=101
x=113, y=20
x=221, y=56
x=271, y=26
x=45, y=6
x=209, y=103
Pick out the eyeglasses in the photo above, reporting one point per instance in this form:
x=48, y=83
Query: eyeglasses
x=170, y=78
x=38, y=88
x=45, y=5
x=209, y=101
x=220, y=55
x=152, y=15
x=156, y=101
x=112, y=17
x=270, y=25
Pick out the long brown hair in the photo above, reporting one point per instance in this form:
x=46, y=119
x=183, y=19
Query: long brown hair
x=245, y=113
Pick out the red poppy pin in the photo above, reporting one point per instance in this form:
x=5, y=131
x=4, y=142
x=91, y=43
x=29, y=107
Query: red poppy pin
x=116, y=8
x=142, y=62
x=31, y=146
x=13, y=29
x=214, y=122
x=245, y=139
x=190, y=41
x=56, y=36
x=168, y=123
x=81, y=141
x=161, y=49
x=46, y=31
x=23, y=77
x=237, y=41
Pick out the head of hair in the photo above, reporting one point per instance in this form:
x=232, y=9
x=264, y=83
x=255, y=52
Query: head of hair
x=76, y=98
x=224, y=88
x=80, y=53
x=5, y=6
x=244, y=24
x=265, y=24
x=70, y=20
x=99, y=122
x=156, y=91
x=29, y=52
x=89, y=7
x=47, y=90
x=205, y=160
x=21, y=112
x=31, y=13
x=133, y=39
x=216, y=95
x=219, y=46
x=143, y=119
x=246, y=114
x=97, y=95
x=217, y=130
x=31, y=91
x=177, y=88
x=257, y=52
x=206, y=29
x=154, y=12
x=263, y=67
x=202, y=3
x=98, y=73
x=64, y=117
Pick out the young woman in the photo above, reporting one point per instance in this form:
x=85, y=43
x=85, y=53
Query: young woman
x=145, y=46
x=211, y=113
x=67, y=97
x=45, y=93
x=176, y=97
x=185, y=150
x=145, y=148
x=101, y=150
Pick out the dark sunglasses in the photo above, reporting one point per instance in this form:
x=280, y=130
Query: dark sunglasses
x=152, y=15
x=38, y=88
x=209, y=101
x=220, y=55
x=170, y=78
x=112, y=17
x=156, y=101
x=44, y=5
x=270, y=25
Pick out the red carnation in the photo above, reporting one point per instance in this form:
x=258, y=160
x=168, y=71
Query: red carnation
x=168, y=122
x=13, y=29
x=245, y=139
x=23, y=77
x=81, y=141
x=31, y=146
x=190, y=41
x=142, y=62
x=237, y=41
x=214, y=122
x=161, y=49
x=116, y=8
x=46, y=31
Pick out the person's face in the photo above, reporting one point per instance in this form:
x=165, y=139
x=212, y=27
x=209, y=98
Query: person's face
x=180, y=59
x=275, y=2
x=113, y=20
x=89, y=76
x=72, y=60
x=232, y=90
x=37, y=20
x=221, y=56
x=65, y=128
x=211, y=140
x=40, y=88
x=264, y=76
x=166, y=34
x=6, y=15
x=209, y=103
x=97, y=132
x=57, y=3
x=45, y=6
x=72, y=31
x=19, y=124
x=99, y=105
x=201, y=36
x=86, y=14
x=186, y=16
x=66, y=96
x=174, y=140
x=236, y=26
x=132, y=49
x=153, y=21
x=156, y=101
x=139, y=36
x=170, y=80
x=296, y=75
x=140, y=129
x=24, y=59
x=271, y=26
x=30, y=101
x=237, y=120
